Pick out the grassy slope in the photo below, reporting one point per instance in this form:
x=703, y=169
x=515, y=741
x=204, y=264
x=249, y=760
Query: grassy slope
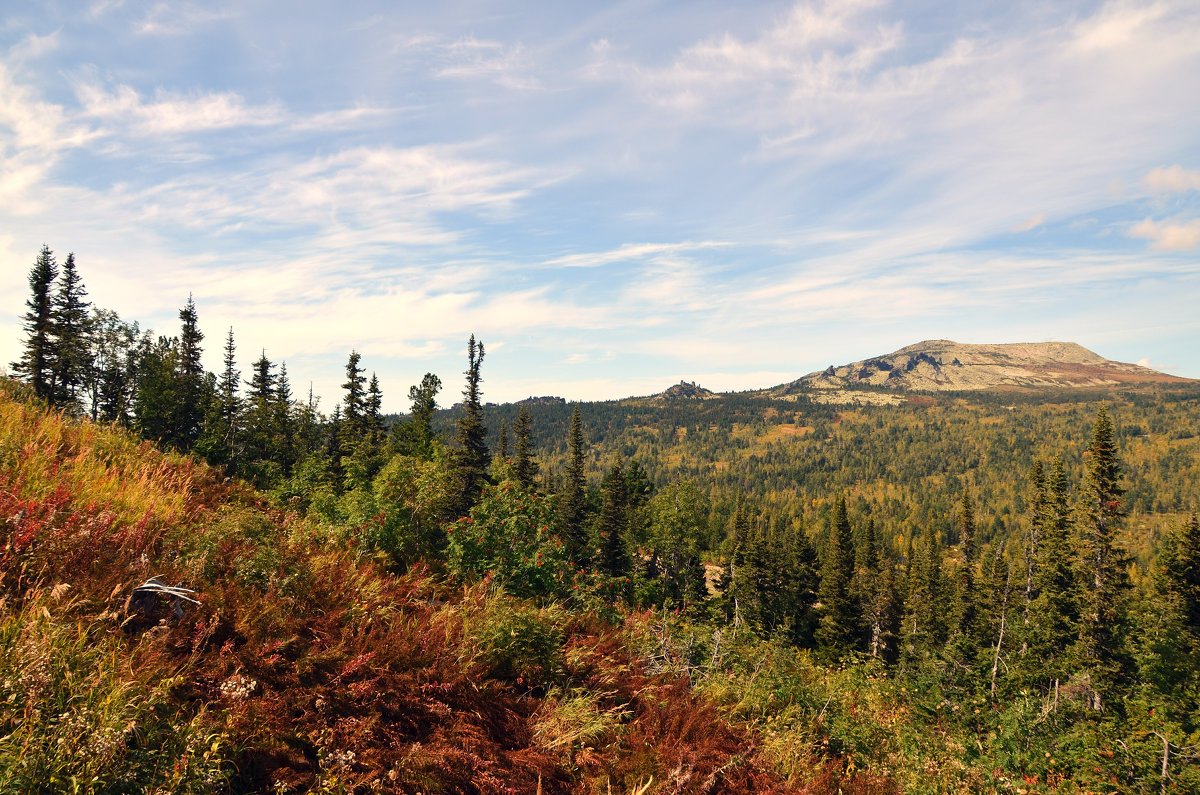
x=303, y=667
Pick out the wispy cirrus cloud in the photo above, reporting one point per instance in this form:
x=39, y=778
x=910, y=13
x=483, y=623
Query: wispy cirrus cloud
x=1169, y=236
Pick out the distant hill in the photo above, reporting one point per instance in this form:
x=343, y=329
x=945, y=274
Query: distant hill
x=687, y=390
x=542, y=400
x=944, y=365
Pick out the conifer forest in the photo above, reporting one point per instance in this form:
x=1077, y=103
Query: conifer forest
x=210, y=582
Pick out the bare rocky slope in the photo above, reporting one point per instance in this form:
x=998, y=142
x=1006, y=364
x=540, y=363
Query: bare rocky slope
x=944, y=365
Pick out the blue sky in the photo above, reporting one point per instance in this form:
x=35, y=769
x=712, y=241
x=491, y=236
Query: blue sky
x=615, y=196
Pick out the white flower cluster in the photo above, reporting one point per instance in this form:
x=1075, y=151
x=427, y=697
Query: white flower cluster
x=238, y=687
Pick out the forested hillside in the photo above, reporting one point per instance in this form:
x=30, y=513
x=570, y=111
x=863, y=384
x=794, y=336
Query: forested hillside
x=730, y=594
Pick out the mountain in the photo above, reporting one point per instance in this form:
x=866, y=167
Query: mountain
x=688, y=390
x=944, y=365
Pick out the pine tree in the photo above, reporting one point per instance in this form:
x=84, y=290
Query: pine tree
x=613, y=524
x=739, y=581
x=1099, y=648
x=1052, y=610
x=874, y=590
x=961, y=646
x=802, y=578
x=190, y=396
x=470, y=456
x=373, y=409
x=261, y=414
x=1181, y=570
x=838, y=631
x=922, y=629
x=72, y=343
x=286, y=454
x=37, y=362
x=352, y=427
x=572, y=500
x=525, y=469
x=994, y=591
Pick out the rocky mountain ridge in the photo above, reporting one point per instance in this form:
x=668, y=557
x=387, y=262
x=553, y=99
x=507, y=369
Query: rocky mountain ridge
x=945, y=365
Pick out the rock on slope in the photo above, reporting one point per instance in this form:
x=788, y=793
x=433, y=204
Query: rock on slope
x=943, y=365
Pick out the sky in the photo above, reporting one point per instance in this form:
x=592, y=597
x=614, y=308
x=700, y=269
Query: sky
x=615, y=196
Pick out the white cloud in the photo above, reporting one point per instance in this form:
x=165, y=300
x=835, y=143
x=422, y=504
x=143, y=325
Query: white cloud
x=1172, y=179
x=473, y=59
x=179, y=18
x=33, y=47
x=172, y=114
x=1117, y=25
x=1031, y=223
x=1168, y=236
x=631, y=252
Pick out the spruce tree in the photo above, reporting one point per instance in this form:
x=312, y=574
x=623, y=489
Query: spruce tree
x=352, y=427
x=1103, y=571
x=72, y=342
x=838, y=630
x=1052, y=612
x=190, y=396
x=572, y=500
x=37, y=362
x=739, y=581
x=803, y=581
x=613, y=524
x=373, y=409
x=261, y=414
x=470, y=456
x=922, y=627
x=961, y=627
x=286, y=453
x=874, y=590
x=525, y=469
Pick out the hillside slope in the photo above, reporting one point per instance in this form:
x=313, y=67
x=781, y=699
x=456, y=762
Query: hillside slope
x=944, y=365
x=292, y=662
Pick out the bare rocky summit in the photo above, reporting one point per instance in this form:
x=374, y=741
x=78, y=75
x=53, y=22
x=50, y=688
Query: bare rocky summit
x=944, y=365
x=687, y=390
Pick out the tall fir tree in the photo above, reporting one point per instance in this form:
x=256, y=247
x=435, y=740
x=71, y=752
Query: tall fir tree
x=961, y=642
x=613, y=523
x=922, y=629
x=37, y=362
x=572, y=499
x=286, y=449
x=230, y=402
x=525, y=469
x=72, y=339
x=373, y=409
x=261, y=431
x=190, y=403
x=1103, y=566
x=470, y=456
x=352, y=427
x=838, y=631
x=1051, y=615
